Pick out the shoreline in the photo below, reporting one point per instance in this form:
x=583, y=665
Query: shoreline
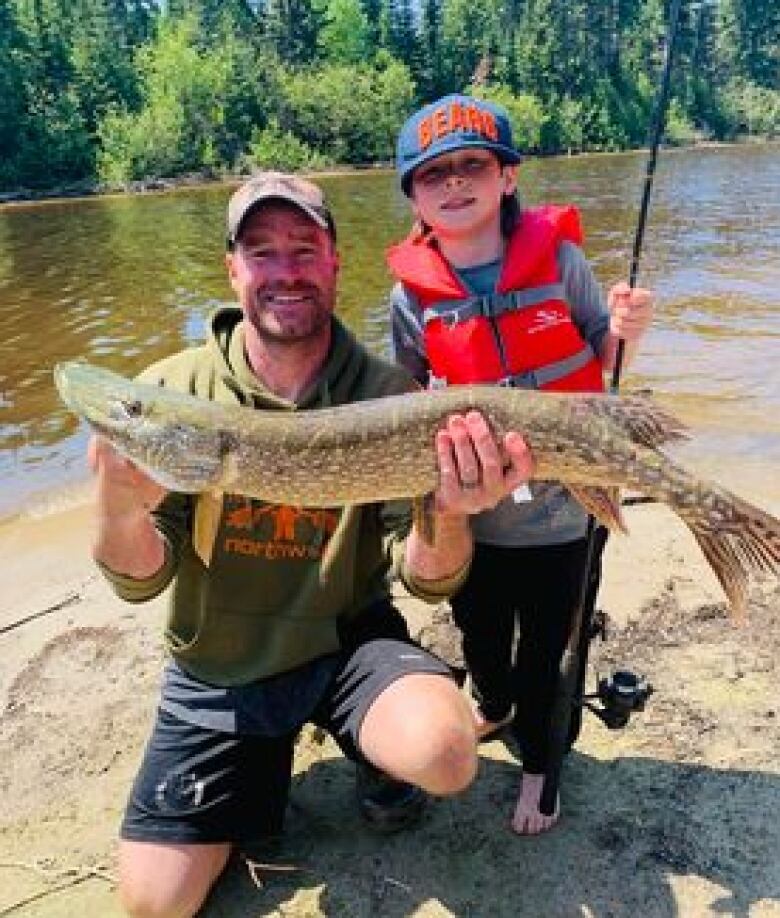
x=86, y=189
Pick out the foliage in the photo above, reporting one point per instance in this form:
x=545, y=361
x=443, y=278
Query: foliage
x=345, y=35
x=127, y=89
x=292, y=28
x=468, y=35
x=273, y=148
x=525, y=111
x=752, y=109
x=678, y=127
x=177, y=129
x=351, y=114
x=139, y=146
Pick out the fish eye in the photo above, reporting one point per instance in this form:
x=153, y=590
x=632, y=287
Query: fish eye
x=132, y=409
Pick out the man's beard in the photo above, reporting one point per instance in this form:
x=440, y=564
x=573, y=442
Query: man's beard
x=300, y=322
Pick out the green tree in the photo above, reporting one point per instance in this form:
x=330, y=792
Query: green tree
x=47, y=27
x=758, y=47
x=58, y=140
x=398, y=32
x=569, y=124
x=13, y=98
x=349, y=114
x=752, y=109
x=251, y=96
x=292, y=28
x=469, y=36
x=101, y=54
x=428, y=71
x=525, y=111
x=179, y=125
x=373, y=11
x=273, y=148
x=553, y=49
x=345, y=36
x=215, y=18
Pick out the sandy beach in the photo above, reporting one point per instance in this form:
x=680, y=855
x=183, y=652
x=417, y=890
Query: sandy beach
x=674, y=816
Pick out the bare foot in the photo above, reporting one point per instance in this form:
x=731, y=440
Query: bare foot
x=484, y=727
x=527, y=819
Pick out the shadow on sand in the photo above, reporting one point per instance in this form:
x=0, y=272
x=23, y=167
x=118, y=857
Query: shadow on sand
x=631, y=828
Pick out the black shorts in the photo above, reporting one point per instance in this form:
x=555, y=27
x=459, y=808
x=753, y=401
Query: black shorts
x=199, y=786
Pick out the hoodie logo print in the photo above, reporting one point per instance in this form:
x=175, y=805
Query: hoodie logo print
x=277, y=532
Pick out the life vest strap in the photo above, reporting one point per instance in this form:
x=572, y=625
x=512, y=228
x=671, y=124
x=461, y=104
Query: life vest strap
x=491, y=305
x=551, y=372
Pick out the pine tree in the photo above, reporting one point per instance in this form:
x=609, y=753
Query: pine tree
x=469, y=34
x=345, y=34
x=399, y=34
x=13, y=97
x=373, y=11
x=292, y=28
x=429, y=70
x=101, y=54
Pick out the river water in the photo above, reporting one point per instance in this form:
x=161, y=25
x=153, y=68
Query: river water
x=125, y=280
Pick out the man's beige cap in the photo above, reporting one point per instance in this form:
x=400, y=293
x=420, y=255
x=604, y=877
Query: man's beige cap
x=276, y=186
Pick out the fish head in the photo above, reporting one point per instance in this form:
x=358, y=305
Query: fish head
x=163, y=432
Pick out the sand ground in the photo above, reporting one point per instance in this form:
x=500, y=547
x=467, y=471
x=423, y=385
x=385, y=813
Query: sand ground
x=675, y=815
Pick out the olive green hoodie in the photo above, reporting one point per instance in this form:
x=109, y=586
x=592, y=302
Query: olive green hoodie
x=259, y=588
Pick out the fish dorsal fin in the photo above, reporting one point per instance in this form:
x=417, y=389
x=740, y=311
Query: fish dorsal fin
x=643, y=421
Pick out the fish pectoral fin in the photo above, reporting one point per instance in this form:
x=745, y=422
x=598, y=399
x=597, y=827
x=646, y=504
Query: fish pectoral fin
x=424, y=518
x=208, y=511
x=603, y=503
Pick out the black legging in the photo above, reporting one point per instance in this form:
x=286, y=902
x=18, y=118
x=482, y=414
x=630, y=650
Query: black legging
x=537, y=588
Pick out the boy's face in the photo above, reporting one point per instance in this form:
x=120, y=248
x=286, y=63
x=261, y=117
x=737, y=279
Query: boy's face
x=459, y=193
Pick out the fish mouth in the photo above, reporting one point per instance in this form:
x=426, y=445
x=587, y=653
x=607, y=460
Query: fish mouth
x=66, y=380
x=106, y=412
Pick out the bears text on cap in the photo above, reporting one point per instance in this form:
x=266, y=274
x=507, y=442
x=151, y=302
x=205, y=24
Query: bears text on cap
x=456, y=117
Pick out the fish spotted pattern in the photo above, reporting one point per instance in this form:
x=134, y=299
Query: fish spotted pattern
x=383, y=449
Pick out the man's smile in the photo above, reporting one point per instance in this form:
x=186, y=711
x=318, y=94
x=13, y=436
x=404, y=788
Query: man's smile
x=285, y=299
x=458, y=203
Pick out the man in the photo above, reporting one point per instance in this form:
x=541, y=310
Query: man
x=263, y=639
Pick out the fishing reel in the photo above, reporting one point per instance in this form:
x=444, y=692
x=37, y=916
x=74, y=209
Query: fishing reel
x=618, y=695
x=621, y=694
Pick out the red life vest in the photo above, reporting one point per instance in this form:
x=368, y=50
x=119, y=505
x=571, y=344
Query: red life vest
x=522, y=334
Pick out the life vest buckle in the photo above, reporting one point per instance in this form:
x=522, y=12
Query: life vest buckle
x=525, y=380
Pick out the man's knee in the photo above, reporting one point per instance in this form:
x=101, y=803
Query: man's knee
x=420, y=729
x=158, y=902
x=452, y=760
x=162, y=881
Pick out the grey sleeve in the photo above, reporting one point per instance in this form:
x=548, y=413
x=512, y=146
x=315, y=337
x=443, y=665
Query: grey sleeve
x=407, y=334
x=583, y=293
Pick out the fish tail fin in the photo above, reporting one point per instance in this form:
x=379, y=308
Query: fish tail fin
x=737, y=538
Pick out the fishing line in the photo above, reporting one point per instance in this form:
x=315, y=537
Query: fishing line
x=573, y=659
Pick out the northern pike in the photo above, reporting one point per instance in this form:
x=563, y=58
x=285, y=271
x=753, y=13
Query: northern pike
x=383, y=449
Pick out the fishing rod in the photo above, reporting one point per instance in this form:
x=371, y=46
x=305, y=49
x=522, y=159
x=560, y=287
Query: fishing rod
x=623, y=692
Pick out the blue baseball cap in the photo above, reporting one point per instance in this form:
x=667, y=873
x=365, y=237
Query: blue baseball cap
x=452, y=123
